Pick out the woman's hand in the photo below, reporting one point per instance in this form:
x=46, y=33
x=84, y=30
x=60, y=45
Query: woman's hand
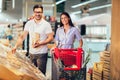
x=52, y=50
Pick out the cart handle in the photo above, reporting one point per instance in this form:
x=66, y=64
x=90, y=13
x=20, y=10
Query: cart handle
x=73, y=49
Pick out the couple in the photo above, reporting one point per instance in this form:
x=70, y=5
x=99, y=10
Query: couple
x=64, y=38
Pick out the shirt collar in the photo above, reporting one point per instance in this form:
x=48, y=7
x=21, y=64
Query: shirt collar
x=40, y=22
x=63, y=28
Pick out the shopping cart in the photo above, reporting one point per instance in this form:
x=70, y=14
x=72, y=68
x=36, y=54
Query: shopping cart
x=71, y=61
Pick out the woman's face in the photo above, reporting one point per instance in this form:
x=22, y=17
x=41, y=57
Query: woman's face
x=38, y=13
x=64, y=19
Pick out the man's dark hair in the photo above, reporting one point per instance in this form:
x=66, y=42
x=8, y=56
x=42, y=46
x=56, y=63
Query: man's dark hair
x=38, y=6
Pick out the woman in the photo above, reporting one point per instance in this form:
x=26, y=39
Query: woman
x=64, y=38
x=67, y=33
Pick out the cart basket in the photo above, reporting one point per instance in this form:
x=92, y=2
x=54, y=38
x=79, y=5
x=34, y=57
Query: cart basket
x=71, y=58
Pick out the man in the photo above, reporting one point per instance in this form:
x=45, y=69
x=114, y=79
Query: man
x=38, y=50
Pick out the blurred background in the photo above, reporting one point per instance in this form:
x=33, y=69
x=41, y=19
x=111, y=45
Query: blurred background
x=91, y=17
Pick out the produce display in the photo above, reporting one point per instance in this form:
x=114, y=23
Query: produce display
x=17, y=66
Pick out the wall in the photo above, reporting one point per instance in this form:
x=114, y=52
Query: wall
x=13, y=15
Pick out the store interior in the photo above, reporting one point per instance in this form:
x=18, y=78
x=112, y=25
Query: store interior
x=91, y=17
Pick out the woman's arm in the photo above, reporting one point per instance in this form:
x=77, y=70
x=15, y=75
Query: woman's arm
x=80, y=43
x=79, y=37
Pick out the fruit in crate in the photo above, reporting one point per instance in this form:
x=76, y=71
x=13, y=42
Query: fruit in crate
x=17, y=66
x=5, y=42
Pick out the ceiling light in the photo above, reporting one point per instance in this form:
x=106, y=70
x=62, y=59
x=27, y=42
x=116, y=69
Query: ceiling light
x=13, y=4
x=1, y=5
x=83, y=3
x=100, y=7
x=58, y=2
x=94, y=8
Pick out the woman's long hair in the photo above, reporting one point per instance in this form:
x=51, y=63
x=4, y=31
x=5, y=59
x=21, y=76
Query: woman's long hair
x=70, y=21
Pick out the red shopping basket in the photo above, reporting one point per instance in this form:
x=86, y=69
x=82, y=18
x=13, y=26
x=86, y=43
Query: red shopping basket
x=72, y=58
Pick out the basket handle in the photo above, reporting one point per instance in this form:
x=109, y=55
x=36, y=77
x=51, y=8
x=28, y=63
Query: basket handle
x=72, y=49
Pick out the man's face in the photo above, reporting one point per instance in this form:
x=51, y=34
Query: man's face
x=38, y=13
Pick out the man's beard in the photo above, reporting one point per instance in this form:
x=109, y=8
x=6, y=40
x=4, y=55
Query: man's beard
x=38, y=18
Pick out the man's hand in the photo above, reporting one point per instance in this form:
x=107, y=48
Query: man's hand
x=13, y=50
x=36, y=44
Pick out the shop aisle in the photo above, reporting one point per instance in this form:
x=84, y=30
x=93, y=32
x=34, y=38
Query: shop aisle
x=49, y=69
